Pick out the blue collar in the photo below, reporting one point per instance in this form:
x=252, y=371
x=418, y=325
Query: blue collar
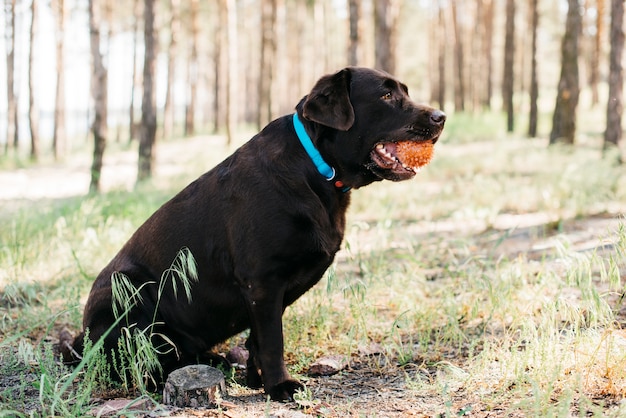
x=322, y=167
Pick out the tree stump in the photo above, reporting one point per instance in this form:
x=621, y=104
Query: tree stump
x=194, y=386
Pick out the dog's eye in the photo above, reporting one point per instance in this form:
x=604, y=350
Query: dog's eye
x=386, y=96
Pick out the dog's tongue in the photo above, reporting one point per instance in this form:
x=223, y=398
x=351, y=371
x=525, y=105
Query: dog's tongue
x=414, y=154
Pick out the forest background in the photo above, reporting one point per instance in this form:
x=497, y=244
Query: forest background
x=491, y=286
x=101, y=71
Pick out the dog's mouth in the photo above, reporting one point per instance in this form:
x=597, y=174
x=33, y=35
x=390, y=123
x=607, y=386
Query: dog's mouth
x=403, y=159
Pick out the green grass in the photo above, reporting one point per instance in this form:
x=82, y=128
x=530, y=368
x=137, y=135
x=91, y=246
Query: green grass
x=477, y=309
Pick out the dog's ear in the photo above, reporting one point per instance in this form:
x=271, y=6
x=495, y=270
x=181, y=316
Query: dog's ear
x=329, y=101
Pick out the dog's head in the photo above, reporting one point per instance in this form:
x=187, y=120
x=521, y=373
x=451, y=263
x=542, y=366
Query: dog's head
x=368, y=128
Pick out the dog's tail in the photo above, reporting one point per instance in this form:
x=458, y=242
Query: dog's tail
x=71, y=348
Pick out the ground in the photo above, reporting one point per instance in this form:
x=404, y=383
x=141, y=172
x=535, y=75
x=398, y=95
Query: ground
x=376, y=382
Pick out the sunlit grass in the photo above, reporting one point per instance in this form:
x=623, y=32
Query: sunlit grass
x=423, y=274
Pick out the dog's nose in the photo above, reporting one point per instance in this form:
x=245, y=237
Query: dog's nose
x=438, y=117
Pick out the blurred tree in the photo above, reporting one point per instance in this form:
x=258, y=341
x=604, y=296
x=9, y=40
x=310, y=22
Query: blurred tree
x=192, y=70
x=267, y=62
x=354, y=44
x=534, y=85
x=172, y=49
x=132, y=126
x=487, y=22
x=508, y=78
x=613, y=133
x=33, y=111
x=232, y=68
x=12, y=139
x=386, y=14
x=59, y=140
x=99, y=94
x=594, y=76
x=564, y=119
x=437, y=50
x=148, y=104
x=459, y=81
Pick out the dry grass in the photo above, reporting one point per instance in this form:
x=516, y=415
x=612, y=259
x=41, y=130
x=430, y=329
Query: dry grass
x=491, y=285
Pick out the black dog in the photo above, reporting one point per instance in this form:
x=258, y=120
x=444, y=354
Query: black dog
x=264, y=224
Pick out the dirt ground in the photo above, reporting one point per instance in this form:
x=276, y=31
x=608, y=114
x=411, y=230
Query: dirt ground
x=372, y=384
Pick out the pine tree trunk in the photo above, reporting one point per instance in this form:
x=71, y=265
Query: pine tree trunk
x=132, y=129
x=488, y=52
x=33, y=116
x=232, y=70
x=459, y=84
x=168, y=108
x=354, y=9
x=564, y=118
x=99, y=96
x=268, y=58
x=613, y=133
x=508, y=81
x=594, y=76
x=386, y=14
x=148, y=107
x=192, y=72
x=59, y=140
x=534, y=85
x=12, y=139
x=441, y=61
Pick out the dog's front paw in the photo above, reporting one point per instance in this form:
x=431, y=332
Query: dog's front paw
x=284, y=390
x=253, y=378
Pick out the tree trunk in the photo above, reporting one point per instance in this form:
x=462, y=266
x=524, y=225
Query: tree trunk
x=33, y=116
x=232, y=69
x=386, y=14
x=488, y=52
x=354, y=44
x=441, y=61
x=594, y=77
x=168, y=108
x=12, y=139
x=459, y=82
x=508, y=81
x=268, y=59
x=613, y=133
x=59, y=140
x=534, y=85
x=99, y=96
x=132, y=129
x=148, y=107
x=192, y=72
x=564, y=118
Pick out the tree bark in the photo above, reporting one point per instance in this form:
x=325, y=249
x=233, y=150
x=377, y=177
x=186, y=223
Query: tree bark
x=613, y=133
x=488, y=52
x=192, y=72
x=594, y=76
x=459, y=81
x=59, y=140
x=268, y=61
x=232, y=69
x=12, y=139
x=354, y=45
x=33, y=112
x=441, y=61
x=534, y=85
x=168, y=108
x=99, y=78
x=509, y=58
x=386, y=14
x=132, y=128
x=148, y=108
x=564, y=118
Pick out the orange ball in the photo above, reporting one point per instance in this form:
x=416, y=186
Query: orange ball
x=414, y=154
